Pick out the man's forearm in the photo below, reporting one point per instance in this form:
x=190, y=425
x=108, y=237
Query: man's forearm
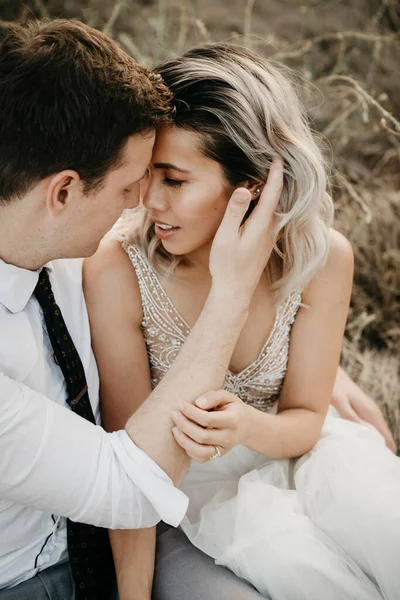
x=36, y=471
x=200, y=366
x=237, y=260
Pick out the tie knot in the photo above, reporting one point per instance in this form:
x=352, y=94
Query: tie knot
x=43, y=290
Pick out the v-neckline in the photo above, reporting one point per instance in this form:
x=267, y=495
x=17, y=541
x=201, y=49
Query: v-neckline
x=183, y=321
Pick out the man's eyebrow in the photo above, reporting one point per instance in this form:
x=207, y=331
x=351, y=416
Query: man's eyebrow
x=144, y=174
x=137, y=180
x=169, y=166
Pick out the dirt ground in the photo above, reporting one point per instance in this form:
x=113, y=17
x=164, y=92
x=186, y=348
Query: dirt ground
x=348, y=53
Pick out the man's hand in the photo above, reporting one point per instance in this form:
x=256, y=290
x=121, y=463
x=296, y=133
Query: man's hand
x=217, y=420
x=354, y=404
x=239, y=252
x=237, y=260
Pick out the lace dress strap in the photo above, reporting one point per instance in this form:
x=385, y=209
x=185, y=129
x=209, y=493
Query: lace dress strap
x=165, y=330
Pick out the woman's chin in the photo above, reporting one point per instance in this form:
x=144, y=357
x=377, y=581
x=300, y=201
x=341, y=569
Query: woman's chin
x=173, y=247
x=177, y=248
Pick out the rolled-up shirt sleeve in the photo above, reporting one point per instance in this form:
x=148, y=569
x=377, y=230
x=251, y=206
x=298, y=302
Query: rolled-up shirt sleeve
x=53, y=460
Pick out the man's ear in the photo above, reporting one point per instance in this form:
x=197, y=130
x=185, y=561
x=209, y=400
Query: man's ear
x=63, y=188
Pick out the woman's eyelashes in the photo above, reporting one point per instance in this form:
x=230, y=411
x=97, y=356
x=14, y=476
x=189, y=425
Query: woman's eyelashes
x=173, y=182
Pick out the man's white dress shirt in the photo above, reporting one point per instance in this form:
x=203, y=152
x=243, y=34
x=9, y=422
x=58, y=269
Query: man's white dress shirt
x=53, y=463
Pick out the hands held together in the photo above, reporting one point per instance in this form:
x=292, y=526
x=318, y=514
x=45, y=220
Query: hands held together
x=220, y=420
x=217, y=420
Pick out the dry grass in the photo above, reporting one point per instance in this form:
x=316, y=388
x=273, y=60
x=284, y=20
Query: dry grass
x=347, y=52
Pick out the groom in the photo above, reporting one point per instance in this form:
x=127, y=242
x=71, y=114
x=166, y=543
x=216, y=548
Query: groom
x=77, y=125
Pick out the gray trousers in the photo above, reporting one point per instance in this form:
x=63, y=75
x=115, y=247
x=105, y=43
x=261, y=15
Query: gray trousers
x=54, y=583
x=182, y=573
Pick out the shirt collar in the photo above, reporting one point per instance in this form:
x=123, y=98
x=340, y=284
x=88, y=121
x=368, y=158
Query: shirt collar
x=17, y=285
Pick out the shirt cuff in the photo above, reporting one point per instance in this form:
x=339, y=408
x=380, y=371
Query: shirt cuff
x=169, y=502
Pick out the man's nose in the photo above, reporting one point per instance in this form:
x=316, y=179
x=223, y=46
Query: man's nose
x=132, y=199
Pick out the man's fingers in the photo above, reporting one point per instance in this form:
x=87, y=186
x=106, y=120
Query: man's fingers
x=235, y=211
x=270, y=196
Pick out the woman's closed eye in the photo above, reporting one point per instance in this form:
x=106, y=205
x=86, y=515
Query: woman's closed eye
x=173, y=182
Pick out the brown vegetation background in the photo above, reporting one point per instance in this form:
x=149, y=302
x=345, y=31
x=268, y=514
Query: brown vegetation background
x=348, y=53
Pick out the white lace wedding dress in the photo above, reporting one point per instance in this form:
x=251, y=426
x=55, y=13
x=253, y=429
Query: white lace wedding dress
x=323, y=527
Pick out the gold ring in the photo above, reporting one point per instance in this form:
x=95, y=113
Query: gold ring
x=217, y=454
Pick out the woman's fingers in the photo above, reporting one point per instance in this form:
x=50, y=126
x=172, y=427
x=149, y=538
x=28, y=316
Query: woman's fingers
x=368, y=410
x=360, y=408
x=389, y=439
x=196, y=451
x=375, y=418
x=344, y=408
x=384, y=430
x=197, y=433
x=203, y=417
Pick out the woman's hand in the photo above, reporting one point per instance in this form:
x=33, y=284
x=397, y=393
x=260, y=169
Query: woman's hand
x=220, y=420
x=355, y=405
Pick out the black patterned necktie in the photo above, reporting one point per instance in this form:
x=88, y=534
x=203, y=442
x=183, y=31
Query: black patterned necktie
x=88, y=546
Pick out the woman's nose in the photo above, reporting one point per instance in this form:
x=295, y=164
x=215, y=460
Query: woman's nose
x=153, y=197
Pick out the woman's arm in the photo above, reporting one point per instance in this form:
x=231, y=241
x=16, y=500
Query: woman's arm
x=314, y=353
x=115, y=313
x=133, y=553
x=315, y=347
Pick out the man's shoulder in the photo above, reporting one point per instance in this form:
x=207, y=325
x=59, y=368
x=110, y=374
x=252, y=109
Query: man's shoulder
x=66, y=279
x=68, y=271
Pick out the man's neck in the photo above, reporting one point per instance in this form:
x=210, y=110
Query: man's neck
x=21, y=243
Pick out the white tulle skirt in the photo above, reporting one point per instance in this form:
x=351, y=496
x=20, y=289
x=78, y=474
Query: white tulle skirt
x=324, y=527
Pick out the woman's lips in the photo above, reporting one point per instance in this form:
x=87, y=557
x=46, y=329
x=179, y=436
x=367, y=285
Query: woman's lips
x=164, y=234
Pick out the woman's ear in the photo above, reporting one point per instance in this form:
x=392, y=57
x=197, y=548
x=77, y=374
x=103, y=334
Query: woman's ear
x=63, y=188
x=255, y=187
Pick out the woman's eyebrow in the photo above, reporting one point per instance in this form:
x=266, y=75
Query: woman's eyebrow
x=169, y=166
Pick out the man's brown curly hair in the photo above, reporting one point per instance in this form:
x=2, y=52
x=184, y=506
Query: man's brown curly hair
x=69, y=99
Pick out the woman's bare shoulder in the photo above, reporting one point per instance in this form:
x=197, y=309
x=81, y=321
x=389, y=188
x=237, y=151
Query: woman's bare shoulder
x=337, y=274
x=109, y=279
x=341, y=251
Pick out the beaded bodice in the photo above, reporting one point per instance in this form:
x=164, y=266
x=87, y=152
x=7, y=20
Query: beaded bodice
x=165, y=330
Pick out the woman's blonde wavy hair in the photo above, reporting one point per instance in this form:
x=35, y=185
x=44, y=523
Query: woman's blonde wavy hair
x=246, y=111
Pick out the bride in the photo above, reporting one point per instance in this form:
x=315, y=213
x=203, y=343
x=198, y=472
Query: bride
x=296, y=500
